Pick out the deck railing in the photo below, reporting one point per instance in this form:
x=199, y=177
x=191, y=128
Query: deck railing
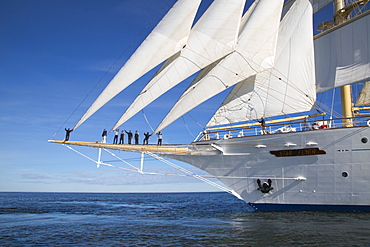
x=285, y=127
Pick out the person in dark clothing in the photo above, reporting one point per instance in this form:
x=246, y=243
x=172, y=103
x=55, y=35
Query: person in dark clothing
x=121, y=137
x=263, y=125
x=104, y=135
x=136, y=137
x=146, y=139
x=68, y=133
x=115, y=139
x=159, y=143
x=129, y=136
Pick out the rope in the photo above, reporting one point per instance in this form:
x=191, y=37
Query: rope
x=324, y=108
x=332, y=103
x=195, y=121
x=190, y=173
x=120, y=159
x=146, y=119
x=101, y=163
x=187, y=127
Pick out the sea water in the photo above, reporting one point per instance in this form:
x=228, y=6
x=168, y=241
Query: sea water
x=167, y=219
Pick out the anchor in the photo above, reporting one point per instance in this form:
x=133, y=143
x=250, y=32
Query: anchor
x=265, y=187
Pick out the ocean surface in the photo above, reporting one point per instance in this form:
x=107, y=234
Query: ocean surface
x=167, y=219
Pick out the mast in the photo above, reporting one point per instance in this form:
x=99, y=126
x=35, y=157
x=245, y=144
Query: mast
x=345, y=91
x=342, y=13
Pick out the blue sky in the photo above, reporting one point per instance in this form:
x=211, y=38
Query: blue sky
x=52, y=54
x=54, y=58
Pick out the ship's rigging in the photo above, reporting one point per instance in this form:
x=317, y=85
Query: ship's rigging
x=272, y=67
x=261, y=78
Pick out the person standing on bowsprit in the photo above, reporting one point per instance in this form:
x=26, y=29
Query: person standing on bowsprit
x=122, y=137
x=68, y=133
x=146, y=139
x=115, y=139
x=104, y=135
x=159, y=143
x=129, y=136
x=136, y=137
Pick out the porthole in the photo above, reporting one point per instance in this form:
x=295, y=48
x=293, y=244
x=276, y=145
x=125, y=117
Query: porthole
x=364, y=140
x=344, y=174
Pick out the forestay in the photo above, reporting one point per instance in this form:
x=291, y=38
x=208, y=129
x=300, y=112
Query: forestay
x=287, y=88
x=167, y=38
x=254, y=53
x=213, y=37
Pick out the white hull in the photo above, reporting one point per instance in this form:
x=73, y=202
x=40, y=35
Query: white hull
x=299, y=182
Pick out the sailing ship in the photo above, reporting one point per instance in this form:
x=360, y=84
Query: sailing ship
x=298, y=156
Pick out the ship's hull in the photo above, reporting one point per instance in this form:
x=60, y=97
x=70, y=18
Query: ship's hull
x=325, y=169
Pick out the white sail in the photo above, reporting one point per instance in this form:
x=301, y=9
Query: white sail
x=247, y=15
x=167, y=38
x=209, y=68
x=289, y=87
x=213, y=37
x=343, y=56
x=317, y=5
x=254, y=53
x=364, y=97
